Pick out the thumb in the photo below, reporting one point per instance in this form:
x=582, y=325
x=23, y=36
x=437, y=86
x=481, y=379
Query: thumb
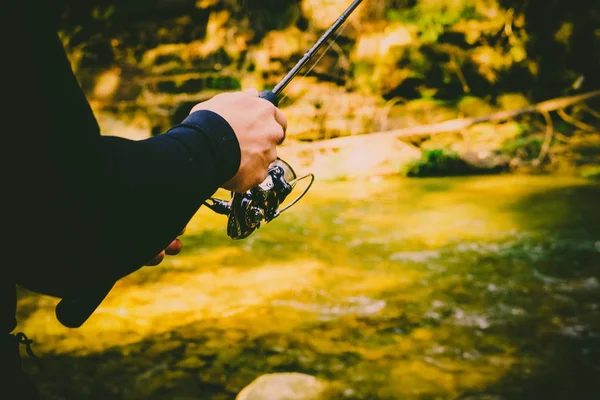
x=251, y=91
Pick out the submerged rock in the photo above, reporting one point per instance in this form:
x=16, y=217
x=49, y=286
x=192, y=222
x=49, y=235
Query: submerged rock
x=284, y=386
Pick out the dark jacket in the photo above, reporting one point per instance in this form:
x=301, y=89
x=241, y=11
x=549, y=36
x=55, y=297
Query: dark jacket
x=80, y=209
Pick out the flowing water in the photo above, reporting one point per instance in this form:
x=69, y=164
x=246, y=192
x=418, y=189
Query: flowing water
x=451, y=288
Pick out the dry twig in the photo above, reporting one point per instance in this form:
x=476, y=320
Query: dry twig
x=547, y=139
x=570, y=120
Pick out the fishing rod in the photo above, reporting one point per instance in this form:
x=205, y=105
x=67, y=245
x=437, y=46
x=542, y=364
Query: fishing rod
x=276, y=91
x=245, y=211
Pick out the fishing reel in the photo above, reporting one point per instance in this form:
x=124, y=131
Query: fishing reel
x=246, y=211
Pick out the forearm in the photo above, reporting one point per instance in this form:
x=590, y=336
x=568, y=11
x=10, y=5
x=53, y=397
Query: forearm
x=152, y=188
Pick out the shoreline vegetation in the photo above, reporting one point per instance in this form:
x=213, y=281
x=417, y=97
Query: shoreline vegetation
x=416, y=88
x=462, y=160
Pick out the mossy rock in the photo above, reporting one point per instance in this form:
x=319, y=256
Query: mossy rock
x=441, y=162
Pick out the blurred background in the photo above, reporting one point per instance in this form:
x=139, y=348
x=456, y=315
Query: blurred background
x=449, y=248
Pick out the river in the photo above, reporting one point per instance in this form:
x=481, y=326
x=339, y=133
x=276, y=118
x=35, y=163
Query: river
x=447, y=288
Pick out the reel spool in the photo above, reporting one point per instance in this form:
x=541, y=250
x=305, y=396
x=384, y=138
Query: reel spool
x=246, y=211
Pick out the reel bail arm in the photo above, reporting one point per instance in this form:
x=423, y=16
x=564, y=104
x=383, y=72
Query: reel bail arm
x=246, y=211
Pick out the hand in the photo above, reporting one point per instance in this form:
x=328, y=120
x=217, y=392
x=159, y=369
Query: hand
x=172, y=249
x=259, y=127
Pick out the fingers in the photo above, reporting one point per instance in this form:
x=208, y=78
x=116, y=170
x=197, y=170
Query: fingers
x=282, y=121
x=174, y=247
x=157, y=260
x=272, y=156
x=279, y=117
x=276, y=122
x=267, y=108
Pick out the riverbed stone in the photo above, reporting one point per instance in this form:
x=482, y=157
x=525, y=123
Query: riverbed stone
x=284, y=386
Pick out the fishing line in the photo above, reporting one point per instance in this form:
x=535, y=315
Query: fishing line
x=331, y=43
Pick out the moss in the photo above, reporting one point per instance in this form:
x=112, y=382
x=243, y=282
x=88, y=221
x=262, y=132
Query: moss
x=592, y=172
x=438, y=163
x=525, y=147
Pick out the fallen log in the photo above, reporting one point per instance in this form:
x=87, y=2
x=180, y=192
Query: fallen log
x=455, y=125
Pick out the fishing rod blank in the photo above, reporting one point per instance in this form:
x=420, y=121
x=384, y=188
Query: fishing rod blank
x=271, y=95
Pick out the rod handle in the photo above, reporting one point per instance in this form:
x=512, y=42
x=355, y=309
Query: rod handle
x=72, y=312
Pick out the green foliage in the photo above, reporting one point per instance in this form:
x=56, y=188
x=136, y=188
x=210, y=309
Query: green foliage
x=395, y=15
x=470, y=106
x=438, y=162
x=362, y=73
x=433, y=17
x=524, y=147
x=457, y=47
x=592, y=172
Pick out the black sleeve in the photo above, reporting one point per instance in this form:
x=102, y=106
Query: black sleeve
x=150, y=189
x=82, y=209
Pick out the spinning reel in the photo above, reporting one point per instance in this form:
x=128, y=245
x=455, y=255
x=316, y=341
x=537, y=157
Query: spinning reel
x=246, y=211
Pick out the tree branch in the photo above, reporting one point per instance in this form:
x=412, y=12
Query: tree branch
x=570, y=120
x=450, y=126
x=547, y=139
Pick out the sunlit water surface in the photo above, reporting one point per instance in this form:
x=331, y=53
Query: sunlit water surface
x=456, y=288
